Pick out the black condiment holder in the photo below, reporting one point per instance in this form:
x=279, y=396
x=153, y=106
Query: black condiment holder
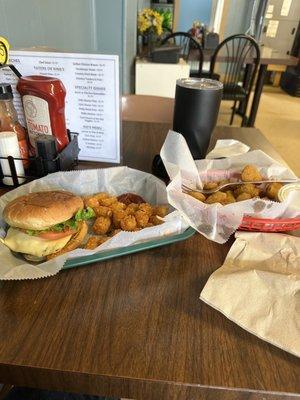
x=66, y=160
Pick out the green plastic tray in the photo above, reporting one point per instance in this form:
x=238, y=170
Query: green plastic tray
x=123, y=251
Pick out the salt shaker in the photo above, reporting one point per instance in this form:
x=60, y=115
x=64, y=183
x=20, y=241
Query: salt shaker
x=9, y=146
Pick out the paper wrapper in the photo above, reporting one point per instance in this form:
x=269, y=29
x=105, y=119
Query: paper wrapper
x=258, y=287
x=115, y=181
x=227, y=148
x=217, y=222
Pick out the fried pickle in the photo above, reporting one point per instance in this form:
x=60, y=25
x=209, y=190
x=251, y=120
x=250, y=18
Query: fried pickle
x=229, y=197
x=272, y=190
x=197, y=195
x=243, y=196
x=250, y=174
x=217, y=197
x=248, y=188
x=210, y=185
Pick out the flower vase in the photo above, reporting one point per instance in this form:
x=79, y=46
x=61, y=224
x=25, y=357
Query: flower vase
x=151, y=40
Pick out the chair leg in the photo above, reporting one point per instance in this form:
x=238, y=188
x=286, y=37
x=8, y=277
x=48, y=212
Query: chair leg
x=233, y=112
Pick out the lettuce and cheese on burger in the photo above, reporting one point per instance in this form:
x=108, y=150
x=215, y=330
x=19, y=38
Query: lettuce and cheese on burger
x=46, y=224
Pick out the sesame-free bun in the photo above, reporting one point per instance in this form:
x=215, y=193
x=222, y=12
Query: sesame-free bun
x=41, y=210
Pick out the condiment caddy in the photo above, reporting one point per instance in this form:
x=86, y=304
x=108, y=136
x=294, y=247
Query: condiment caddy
x=39, y=166
x=49, y=146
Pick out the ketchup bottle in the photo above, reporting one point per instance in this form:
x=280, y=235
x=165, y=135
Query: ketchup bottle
x=43, y=100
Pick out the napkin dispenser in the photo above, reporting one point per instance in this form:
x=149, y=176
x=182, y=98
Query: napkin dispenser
x=211, y=41
x=166, y=54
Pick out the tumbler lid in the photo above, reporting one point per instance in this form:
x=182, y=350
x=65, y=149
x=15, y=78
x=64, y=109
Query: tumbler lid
x=200, y=83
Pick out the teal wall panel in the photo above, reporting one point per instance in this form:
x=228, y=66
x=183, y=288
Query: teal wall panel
x=100, y=26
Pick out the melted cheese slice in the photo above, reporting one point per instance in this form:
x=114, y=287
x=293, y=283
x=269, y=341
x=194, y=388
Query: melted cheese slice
x=34, y=245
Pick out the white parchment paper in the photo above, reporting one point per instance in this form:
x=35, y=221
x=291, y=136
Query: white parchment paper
x=258, y=287
x=217, y=222
x=115, y=181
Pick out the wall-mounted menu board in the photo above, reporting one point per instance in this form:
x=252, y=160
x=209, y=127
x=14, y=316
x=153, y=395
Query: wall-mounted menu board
x=92, y=101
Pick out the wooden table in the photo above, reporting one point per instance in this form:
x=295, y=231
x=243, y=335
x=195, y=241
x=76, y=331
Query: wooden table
x=134, y=327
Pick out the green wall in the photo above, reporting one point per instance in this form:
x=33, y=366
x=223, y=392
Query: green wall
x=101, y=26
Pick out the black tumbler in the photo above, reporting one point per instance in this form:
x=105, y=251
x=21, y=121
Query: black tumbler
x=197, y=103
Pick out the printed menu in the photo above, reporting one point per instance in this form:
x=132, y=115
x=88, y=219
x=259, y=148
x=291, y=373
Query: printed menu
x=92, y=101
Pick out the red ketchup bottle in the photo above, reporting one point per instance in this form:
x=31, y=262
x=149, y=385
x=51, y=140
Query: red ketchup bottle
x=43, y=100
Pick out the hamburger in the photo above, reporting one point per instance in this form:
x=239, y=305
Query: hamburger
x=43, y=225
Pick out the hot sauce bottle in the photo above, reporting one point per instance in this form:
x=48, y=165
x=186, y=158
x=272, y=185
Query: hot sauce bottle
x=43, y=100
x=9, y=120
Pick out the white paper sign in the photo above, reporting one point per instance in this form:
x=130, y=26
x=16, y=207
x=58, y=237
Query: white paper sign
x=92, y=101
x=272, y=28
x=285, y=9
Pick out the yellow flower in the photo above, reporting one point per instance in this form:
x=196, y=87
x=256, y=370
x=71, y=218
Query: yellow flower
x=150, y=21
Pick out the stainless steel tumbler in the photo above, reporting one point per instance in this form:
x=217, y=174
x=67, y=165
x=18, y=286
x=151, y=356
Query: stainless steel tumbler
x=197, y=103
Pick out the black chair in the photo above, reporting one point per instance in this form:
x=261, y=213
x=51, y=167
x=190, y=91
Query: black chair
x=188, y=45
x=241, y=56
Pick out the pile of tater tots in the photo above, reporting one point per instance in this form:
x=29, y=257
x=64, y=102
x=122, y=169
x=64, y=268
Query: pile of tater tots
x=128, y=212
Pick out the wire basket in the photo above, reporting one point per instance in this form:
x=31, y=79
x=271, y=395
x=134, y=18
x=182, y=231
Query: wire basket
x=66, y=160
x=269, y=225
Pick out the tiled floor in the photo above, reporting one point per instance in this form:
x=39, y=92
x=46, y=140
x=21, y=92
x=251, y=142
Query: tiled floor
x=279, y=120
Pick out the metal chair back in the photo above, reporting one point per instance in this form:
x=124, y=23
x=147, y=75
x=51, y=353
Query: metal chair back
x=235, y=52
x=187, y=44
x=241, y=56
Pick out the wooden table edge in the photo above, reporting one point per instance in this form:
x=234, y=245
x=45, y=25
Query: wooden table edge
x=131, y=388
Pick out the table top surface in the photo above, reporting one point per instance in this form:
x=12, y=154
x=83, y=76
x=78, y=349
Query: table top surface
x=117, y=326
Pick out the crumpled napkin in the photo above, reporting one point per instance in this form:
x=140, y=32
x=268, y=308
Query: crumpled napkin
x=227, y=148
x=258, y=287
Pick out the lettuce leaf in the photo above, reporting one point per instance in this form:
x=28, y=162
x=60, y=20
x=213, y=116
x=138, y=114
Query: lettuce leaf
x=84, y=214
x=81, y=215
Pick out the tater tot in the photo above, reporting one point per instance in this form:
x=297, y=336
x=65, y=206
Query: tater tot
x=218, y=197
x=101, y=195
x=249, y=188
x=102, y=225
x=95, y=241
x=102, y=211
x=197, y=195
x=128, y=223
x=210, y=185
x=107, y=201
x=142, y=218
x=92, y=243
x=251, y=173
x=146, y=208
x=118, y=215
x=132, y=208
x=91, y=201
x=243, y=196
x=272, y=190
x=118, y=206
x=155, y=220
x=161, y=211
